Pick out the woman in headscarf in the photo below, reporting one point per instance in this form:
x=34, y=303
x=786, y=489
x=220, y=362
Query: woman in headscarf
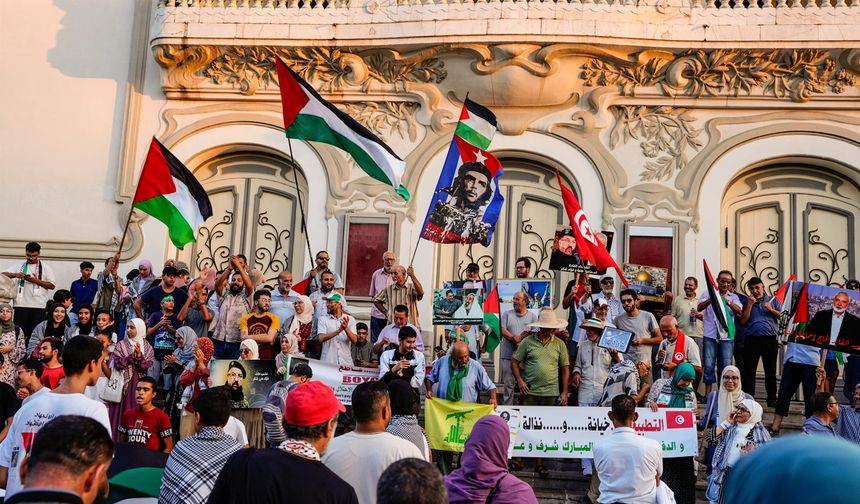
x=807, y=469
x=740, y=433
x=55, y=327
x=721, y=403
x=143, y=281
x=174, y=364
x=483, y=473
x=12, y=346
x=132, y=356
x=85, y=326
x=404, y=422
x=195, y=378
x=248, y=350
x=677, y=392
x=301, y=323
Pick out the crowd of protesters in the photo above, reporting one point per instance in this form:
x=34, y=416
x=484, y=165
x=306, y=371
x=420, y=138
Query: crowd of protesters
x=116, y=359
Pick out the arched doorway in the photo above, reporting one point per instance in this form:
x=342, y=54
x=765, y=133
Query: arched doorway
x=790, y=218
x=255, y=213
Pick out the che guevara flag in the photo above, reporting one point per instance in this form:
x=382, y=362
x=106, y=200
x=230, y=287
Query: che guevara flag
x=590, y=248
x=467, y=202
x=724, y=319
x=307, y=116
x=168, y=191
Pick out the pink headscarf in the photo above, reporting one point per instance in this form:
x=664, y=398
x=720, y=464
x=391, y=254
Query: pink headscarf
x=484, y=464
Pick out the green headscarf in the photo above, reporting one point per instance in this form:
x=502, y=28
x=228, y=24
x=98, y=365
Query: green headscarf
x=684, y=371
x=455, y=379
x=9, y=326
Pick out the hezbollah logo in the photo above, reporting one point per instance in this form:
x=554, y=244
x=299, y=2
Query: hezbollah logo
x=455, y=431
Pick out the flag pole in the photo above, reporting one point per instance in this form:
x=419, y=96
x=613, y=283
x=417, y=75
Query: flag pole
x=301, y=205
x=124, y=233
x=415, y=250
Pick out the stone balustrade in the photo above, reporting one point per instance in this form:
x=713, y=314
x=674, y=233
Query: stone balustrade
x=657, y=23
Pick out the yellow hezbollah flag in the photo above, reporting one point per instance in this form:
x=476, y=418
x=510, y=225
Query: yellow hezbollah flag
x=448, y=424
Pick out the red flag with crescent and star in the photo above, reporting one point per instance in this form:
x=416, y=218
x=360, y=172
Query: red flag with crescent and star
x=590, y=248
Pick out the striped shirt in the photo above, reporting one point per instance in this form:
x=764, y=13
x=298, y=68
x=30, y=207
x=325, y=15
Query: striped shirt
x=848, y=423
x=394, y=295
x=194, y=465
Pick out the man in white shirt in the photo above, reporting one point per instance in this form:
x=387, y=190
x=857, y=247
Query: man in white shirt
x=629, y=465
x=283, y=298
x=389, y=336
x=82, y=363
x=336, y=332
x=360, y=456
x=35, y=280
x=607, y=287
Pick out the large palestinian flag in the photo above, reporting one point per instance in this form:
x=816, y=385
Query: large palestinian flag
x=307, y=116
x=168, y=191
x=724, y=319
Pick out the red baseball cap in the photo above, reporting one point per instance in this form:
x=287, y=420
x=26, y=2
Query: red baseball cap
x=311, y=403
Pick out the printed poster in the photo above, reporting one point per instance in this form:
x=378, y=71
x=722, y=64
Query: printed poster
x=539, y=293
x=248, y=381
x=448, y=424
x=648, y=281
x=342, y=380
x=458, y=305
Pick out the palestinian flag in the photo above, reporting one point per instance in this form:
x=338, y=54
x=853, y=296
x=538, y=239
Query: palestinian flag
x=168, y=191
x=785, y=296
x=307, y=116
x=492, y=319
x=302, y=287
x=724, y=319
x=477, y=124
x=801, y=315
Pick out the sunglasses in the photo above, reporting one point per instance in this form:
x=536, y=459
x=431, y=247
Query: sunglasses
x=626, y=301
x=245, y=351
x=610, y=282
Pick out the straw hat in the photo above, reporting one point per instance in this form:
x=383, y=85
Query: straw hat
x=548, y=320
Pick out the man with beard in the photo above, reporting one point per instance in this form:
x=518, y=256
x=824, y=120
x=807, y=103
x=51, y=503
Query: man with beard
x=150, y=301
x=522, y=267
x=236, y=375
x=515, y=327
x=315, y=274
x=389, y=337
x=336, y=332
x=50, y=350
x=470, y=309
x=284, y=297
x=327, y=286
x=448, y=305
x=836, y=327
x=643, y=325
x=261, y=325
x=233, y=305
x=459, y=218
x=564, y=253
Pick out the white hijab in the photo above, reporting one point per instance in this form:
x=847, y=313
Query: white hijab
x=727, y=401
x=252, y=346
x=140, y=338
x=743, y=429
x=307, y=312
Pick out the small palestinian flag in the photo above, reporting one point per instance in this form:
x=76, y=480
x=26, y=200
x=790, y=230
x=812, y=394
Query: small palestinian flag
x=168, y=191
x=307, y=116
x=303, y=286
x=491, y=318
x=801, y=315
x=724, y=319
x=477, y=124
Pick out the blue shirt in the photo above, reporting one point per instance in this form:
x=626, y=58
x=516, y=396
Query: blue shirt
x=762, y=323
x=83, y=293
x=475, y=381
x=814, y=426
x=802, y=354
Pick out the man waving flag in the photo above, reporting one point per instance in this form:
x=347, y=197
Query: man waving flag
x=590, y=248
x=307, y=116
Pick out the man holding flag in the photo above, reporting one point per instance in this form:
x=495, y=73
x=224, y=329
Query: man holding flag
x=719, y=324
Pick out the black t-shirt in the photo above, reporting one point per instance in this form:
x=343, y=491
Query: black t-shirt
x=9, y=402
x=151, y=300
x=273, y=476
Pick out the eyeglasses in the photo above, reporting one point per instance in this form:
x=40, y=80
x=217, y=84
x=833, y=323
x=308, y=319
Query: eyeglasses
x=322, y=258
x=627, y=301
x=731, y=378
x=245, y=351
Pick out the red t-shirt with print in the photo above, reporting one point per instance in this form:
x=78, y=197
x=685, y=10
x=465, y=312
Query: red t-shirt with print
x=146, y=428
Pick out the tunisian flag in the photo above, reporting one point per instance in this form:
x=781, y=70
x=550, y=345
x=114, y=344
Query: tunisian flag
x=590, y=248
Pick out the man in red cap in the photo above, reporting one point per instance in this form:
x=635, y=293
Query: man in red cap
x=294, y=471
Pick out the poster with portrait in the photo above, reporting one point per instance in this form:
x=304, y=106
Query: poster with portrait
x=827, y=317
x=615, y=339
x=564, y=255
x=248, y=381
x=648, y=281
x=538, y=293
x=458, y=305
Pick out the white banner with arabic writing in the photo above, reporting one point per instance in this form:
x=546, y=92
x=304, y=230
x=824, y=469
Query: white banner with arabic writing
x=569, y=432
x=342, y=380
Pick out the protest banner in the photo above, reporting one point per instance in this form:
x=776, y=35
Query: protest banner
x=538, y=291
x=448, y=424
x=248, y=381
x=546, y=431
x=342, y=380
x=456, y=305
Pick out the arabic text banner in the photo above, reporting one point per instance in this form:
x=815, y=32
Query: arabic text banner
x=449, y=424
x=559, y=432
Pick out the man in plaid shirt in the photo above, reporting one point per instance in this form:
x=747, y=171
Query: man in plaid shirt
x=195, y=462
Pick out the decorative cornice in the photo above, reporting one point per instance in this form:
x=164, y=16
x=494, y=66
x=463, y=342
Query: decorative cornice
x=796, y=74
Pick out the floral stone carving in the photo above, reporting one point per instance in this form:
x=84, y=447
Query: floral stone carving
x=664, y=133
x=798, y=74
